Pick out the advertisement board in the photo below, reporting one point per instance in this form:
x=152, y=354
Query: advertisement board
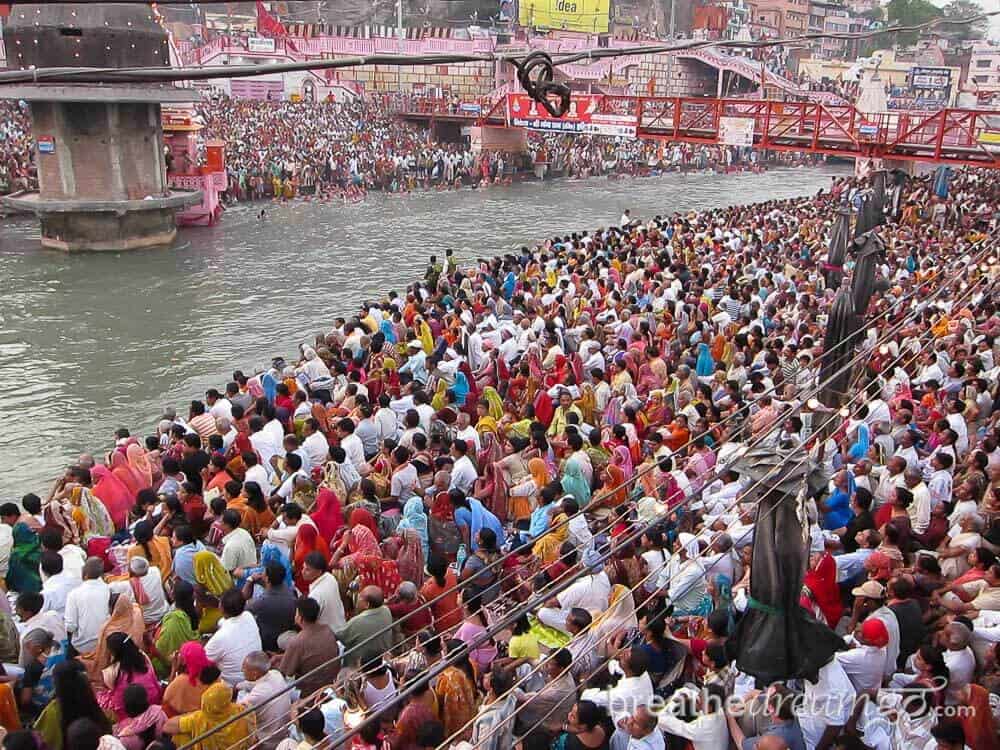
x=736, y=131
x=927, y=88
x=260, y=44
x=591, y=16
x=583, y=116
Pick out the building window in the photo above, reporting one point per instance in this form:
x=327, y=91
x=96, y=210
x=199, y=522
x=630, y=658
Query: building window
x=981, y=79
x=983, y=63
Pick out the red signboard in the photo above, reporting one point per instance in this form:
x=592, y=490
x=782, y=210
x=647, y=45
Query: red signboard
x=584, y=116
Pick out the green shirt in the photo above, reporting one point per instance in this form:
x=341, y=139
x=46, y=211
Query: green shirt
x=361, y=630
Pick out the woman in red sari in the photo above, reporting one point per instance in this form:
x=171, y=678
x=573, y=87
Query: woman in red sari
x=327, y=514
x=819, y=588
x=307, y=540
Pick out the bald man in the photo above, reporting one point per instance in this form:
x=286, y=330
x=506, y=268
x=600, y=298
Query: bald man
x=367, y=635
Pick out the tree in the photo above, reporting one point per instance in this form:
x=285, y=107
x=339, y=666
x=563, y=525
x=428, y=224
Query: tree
x=966, y=32
x=911, y=13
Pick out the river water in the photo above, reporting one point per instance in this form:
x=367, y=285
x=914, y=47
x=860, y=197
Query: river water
x=90, y=343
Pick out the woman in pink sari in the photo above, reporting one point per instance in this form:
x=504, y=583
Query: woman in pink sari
x=359, y=541
x=622, y=458
x=139, y=464
x=113, y=494
x=121, y=469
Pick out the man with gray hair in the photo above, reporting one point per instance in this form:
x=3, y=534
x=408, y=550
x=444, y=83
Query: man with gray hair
x=404, y=605
x=87, y=607
x=145, y=587
x=262, y=682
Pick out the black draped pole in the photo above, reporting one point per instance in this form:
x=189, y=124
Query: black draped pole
x=777, y=639
x=840, y=235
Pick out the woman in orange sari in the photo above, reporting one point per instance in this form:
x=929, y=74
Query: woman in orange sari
x=613, y=491
x=257, y=517
x=306, y=540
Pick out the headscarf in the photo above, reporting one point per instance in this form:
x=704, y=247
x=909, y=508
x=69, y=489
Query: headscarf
x=307, y=541
x=415, y=518
x=574, y=483
x=614, y=491
x=622, y=458
x=494, y=401
x=360, y=516
x=618, y=617
x=195, y=659
x=705, y=365
x=90, y=515
x=113, y=494
x=217, y=706
x=138, y=461
x=126, y=617
x=210, y=573
x=539, y=472
x=128, y=476
x=360, y=542
x=859, y=449
x=327, y=514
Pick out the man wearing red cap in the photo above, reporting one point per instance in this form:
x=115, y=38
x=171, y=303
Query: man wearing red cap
x=864, y=662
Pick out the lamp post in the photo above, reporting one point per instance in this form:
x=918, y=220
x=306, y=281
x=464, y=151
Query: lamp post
x=399, y=34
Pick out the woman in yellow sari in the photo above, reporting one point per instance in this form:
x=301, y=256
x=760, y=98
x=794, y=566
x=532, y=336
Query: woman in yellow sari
x=547, y=548
x=213, y=580
x=217, y=706
x=424, y=334
x=587, y=404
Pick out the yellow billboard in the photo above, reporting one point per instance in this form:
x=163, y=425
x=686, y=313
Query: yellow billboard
x=571, y=15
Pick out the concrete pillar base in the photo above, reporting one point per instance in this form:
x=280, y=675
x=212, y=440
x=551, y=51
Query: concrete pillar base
x=108, y=232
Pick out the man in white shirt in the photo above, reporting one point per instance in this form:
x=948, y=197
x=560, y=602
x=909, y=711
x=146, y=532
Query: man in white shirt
x=826, y=706
x=956, y=420
x=260, y=685
x=920, y=509
x=263, y=443
x=147, y=579
x=6, y=545
x=57, y=584
x=315, y=443
x=237, y=637
x=634, y=688
x=293, y=471
x=352, y=446
x=864, y=662
x=218, y=405
x=467, y=432
x=256, y=473
x=709, y=729
x=87, y=607
x=590, y=592
x=463, y=473
x=287, y=527
x=325, y=590
x=238, y=548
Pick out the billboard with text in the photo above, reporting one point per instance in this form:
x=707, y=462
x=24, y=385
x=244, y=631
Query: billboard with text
x=584, y=116
x=590, y=16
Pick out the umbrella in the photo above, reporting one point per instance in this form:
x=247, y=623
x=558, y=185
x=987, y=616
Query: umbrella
x=777, y=639
x=842, y=329
x=871, y=252
x=833, y=270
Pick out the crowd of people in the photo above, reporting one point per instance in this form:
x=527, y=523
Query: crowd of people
x=501, y=509
x=342, y=150
x=17, y=167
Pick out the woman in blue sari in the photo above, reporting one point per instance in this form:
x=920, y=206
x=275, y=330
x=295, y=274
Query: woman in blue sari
x=415, y=518
x=862, y=442
x=269, y=553
x=575, y=484
x=388, y=331
x=705, y=366
x=471, y=516
x=460, y=390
